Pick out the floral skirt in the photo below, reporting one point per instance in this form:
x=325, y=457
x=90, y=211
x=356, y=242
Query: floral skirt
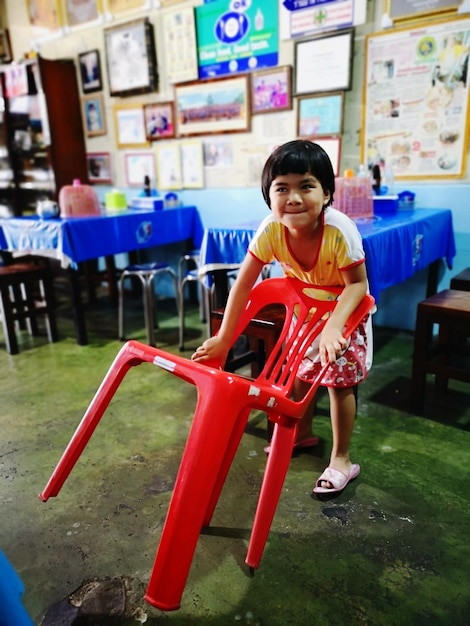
x=350, y=368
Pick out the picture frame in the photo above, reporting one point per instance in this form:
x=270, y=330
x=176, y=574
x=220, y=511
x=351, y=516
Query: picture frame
x=129, y=125
x=192, y=164
x=6, y=55
x=138, y=165
x=44, y=16
x=90, y=71
x=271, y=90
x=320, y=114
x=93, y=115
x=159, y=120
x=402, y=10
x=131, y=58
x=99, y=167
x=79, y=12
x=169, y=172
x=324, y=63
x=332, y=146
x=213, y=106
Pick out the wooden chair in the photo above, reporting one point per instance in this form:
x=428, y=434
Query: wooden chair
x=214, y=437
x=445, y=358
x=25, y=292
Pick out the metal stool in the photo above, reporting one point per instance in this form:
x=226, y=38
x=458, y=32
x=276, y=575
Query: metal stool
x=188, y=272
x=26, y=292
x=146, y=273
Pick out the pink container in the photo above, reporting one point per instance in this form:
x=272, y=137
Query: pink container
x=78, y=200
x=354, y=196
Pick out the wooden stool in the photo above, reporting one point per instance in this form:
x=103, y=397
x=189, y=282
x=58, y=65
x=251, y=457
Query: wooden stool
x=26, y=291
x=461, y=281
x=450, y=310
x=262, y=333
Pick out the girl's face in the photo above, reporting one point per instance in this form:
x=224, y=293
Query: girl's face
x=297, y=200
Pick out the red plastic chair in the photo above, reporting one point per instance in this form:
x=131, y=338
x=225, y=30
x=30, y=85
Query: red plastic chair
x=214, y=438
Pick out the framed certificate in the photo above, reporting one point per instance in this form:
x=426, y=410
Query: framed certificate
x=324, y=63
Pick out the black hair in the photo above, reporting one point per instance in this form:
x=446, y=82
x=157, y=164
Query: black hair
x=299, y=157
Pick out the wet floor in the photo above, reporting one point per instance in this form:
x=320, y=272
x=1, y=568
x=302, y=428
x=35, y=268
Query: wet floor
x=392, y=549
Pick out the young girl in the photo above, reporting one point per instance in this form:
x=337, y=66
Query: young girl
x=321, y=246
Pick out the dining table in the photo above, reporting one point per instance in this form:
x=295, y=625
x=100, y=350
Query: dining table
x=73, y=241
x=396, y=244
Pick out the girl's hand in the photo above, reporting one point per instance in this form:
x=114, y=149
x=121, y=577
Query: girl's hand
x=213, y=349
x=332, y=345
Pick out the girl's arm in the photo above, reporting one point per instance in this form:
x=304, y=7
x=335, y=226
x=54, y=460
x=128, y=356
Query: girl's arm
x=218, y=347
x=332, y=342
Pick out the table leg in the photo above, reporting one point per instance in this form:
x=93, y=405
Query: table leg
x=433, y=278
x=77, y=307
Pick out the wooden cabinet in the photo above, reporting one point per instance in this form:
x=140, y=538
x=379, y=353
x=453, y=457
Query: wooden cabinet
x=42, y=143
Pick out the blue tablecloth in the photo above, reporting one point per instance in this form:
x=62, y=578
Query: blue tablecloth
x=396, y=245
x=73, y=240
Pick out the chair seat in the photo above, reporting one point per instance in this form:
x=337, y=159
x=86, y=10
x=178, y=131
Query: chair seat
x=146, y=267
x=461, y=281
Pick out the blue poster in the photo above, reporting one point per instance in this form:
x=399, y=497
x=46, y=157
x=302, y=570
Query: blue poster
x=235, y=36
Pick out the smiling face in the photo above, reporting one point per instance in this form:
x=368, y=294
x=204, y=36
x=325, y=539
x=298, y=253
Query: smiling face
x=297, y=200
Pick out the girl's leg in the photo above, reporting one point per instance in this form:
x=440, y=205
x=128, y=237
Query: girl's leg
x=343, y=414
x=304, y=429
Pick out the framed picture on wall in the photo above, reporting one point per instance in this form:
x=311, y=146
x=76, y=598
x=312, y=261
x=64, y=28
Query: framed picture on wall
x=324, y=63
x=130, y=126
x=131, y=58
x=6, y=55
x=78, y=12
x=271, y=90
x=332, y=146
x=214, y=106
x=90, y=71
x=99, y=167
x=138, y=166
x=320, y=114
x=159, y=120
x=94, y=119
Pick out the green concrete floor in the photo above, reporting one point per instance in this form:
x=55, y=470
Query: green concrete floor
x=392, y=549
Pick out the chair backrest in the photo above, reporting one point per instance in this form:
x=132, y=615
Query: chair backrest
x=306, y=315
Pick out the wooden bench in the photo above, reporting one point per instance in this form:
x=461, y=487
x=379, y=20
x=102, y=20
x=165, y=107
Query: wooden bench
x=448, y=356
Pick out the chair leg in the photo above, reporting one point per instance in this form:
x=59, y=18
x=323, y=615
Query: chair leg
x=207, y=444
x=121, y=307
x=126, y=358
x=149, y=311
x=8, y=323
x=234, y=442
x=277, y=465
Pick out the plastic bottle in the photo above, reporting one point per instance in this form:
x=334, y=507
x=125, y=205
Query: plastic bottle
x=362, y=172
x=388, y=183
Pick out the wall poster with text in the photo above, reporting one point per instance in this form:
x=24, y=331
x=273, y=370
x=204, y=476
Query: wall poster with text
x=235, y=37
x=415, y=108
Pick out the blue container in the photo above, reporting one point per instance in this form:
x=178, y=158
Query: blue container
x=385, y=204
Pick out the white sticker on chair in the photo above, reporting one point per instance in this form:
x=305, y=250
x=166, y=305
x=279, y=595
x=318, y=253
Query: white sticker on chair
x=166, y=364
